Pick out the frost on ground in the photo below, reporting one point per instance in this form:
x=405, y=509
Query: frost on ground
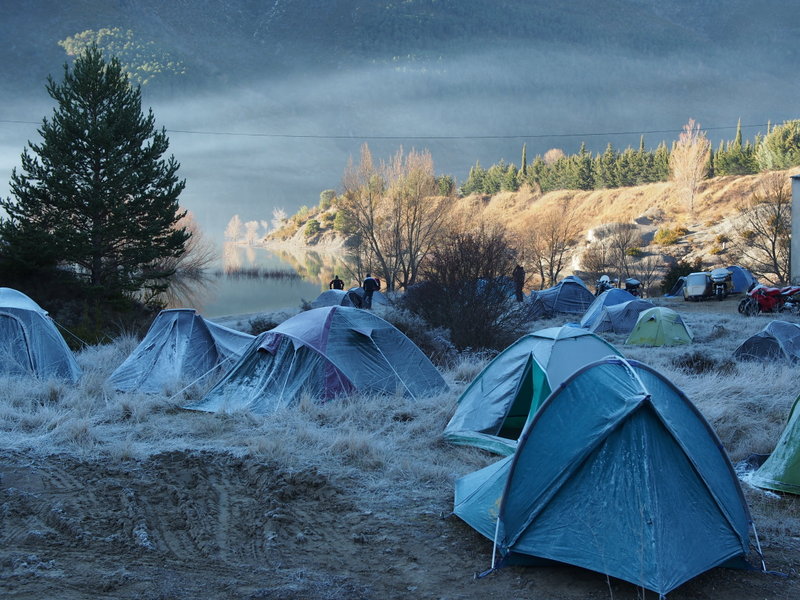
x=113, y=495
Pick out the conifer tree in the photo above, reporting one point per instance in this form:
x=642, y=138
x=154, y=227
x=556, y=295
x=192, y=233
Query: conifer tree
x=585, y=170
x=96, y=192
x=523, y=170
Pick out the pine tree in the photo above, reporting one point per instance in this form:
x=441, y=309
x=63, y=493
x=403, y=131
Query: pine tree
x=96, y=193
x=585, y=170
x=523, y=170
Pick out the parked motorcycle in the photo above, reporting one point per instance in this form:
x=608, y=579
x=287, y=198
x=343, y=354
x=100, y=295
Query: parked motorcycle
x=603, y=285
x=632, y=285
x=764, y=299
x=721, y=283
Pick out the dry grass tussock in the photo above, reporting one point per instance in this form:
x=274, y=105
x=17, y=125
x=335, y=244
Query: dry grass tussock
x=373, y=443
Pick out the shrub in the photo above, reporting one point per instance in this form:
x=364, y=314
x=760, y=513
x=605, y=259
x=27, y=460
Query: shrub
x=312, y=228
x=667, y=237
x=677, y=270
x=716, y=250
x=634, y=252
x=260, y=324
x=326, y=198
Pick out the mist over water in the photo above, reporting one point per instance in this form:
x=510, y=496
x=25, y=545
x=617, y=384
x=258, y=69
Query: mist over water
x=525, y=88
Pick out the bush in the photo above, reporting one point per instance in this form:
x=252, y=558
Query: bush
x=464, y=291
x=258, y=325
x=667, y=237
x=634, y=252
x=326, y=198
x=312, y=228
x=677, y=270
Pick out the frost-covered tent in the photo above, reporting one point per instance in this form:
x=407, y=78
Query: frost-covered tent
x=660, y=326
x=618, y=473
x=620, y=318
x=607, y=298
x=180, y=347
x=378, y=297
x=779, y=340
x=337, y=298
x=741, y=278
x=781, y=471
x=505, y=395
x=30, y=343
x=570, y=295
x=323, y=353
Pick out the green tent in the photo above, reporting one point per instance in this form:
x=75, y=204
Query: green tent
x=660, y=326
x=781, y=471
x=619, y=473
x=495, y=407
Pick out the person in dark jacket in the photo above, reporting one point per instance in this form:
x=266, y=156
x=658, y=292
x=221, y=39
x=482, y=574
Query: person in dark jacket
x=518, y=275
x=336, y=283
x=370, y=285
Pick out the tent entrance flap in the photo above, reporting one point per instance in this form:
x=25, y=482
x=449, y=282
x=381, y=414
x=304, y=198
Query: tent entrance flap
x=531, y=390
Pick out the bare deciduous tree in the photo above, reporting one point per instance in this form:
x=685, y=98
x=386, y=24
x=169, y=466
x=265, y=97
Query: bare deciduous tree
x=622, y=238
x=233, y=232
x=251, y=232
x=396, y=211
x=688, y=161
x=648, y=270
x=544, y=241
x=765, y=227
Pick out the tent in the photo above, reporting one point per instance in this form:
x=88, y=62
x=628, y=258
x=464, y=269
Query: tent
x=30, y=344
x=781, y=471
x=660, y=326
x=741, y=278
x=570, y=295
x=617, y=473
x=494, y=408
x=338, y=298
x=607, y=298
x=323, y=353
x=677, y=289
x=180, y=346
x=779, y=340
x=620, y=318
x=378, y=297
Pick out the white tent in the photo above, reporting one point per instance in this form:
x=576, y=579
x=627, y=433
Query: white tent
x=180, y=347
x=30, y=344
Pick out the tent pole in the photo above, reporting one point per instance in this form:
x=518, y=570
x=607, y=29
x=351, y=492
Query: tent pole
x=494, y=541
x=758, y=546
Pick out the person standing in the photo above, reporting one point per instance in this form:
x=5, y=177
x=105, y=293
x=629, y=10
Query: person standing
x=336, y=283
x=518, y=275
x=370, y=285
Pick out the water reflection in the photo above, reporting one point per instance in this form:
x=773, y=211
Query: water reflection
x=251, y=279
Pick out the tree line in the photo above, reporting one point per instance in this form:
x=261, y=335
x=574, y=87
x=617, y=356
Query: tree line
x=612, y=168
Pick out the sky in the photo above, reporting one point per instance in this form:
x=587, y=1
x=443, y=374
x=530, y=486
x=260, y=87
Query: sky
x=264, y=138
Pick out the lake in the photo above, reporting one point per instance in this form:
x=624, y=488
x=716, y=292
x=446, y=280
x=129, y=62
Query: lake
x=250, y=279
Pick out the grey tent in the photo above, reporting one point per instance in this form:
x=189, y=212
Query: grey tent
x=30, y=344
x=620, y=318
x=505, y=395
x=180, y=347
x=607, y=298
x=569, y=296
x=618, y=473
x=779, y=340
x=338, y=298
x=323, y=353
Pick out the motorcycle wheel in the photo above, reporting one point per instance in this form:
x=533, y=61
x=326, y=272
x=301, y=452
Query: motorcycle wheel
x=748, y=307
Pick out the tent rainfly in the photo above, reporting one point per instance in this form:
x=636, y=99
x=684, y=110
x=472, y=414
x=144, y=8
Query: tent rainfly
x=781, y=471
x=180, y=347
x=323, y=353
x=30, y=344
x=660, y=326
x=608, y=298
x=779, y=340
x=505, y=395
x=337, y=298
x=620, y=318
x=618, y=473
x=570, y=296
x=741, y=279
x=378, y=297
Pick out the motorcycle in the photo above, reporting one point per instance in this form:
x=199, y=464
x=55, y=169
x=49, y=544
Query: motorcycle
x=603, y=285
x=721, y=283
x=632, y=286
x=764, y=299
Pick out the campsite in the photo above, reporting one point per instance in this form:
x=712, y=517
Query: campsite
x=128, y=495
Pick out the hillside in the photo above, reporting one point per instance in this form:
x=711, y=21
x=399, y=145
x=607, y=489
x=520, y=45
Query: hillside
x=651, y=207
